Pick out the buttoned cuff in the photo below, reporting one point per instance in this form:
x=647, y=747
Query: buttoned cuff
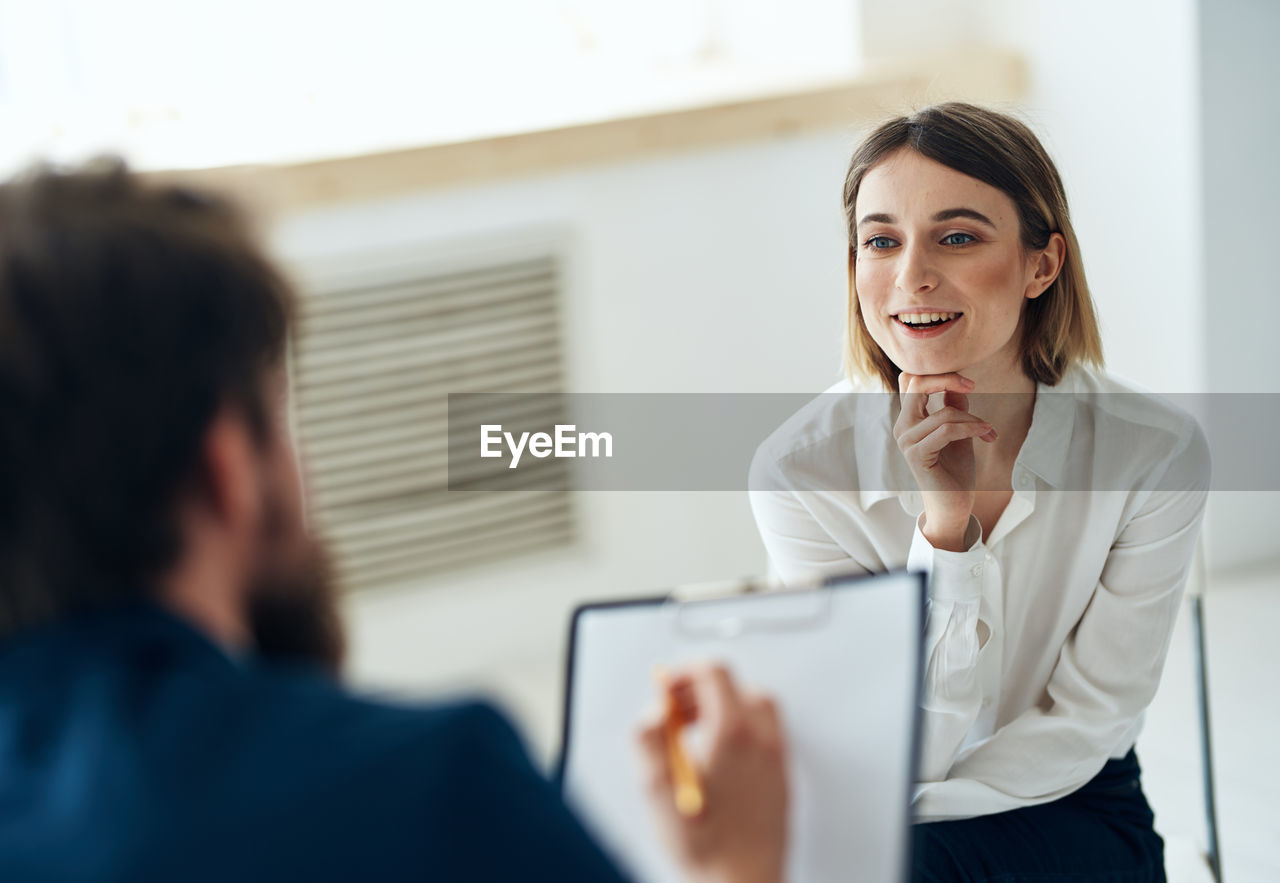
x=953, y=576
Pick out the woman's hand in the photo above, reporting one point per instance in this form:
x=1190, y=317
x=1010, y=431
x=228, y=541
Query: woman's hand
x=739, y=835
x=938, y=448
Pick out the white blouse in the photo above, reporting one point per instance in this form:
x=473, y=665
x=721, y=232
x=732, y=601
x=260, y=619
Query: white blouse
x=1076, y=588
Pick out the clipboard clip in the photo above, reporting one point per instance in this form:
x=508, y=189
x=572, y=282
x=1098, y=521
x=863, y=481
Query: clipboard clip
x=701, y=610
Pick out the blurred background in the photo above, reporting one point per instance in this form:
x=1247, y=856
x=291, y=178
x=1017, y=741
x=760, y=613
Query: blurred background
x=609, y=196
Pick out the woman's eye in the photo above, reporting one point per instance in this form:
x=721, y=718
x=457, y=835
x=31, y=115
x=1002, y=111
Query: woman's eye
x=958, y=239
x=876, y=243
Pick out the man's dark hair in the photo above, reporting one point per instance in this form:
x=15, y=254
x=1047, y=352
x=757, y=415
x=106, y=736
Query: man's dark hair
x=131, y=311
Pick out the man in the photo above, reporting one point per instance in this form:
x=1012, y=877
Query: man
x=169, y=641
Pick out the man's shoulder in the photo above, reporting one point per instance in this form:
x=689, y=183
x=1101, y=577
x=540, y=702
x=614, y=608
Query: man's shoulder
x=367, y=733
x=448, y=786
x=395, y=784
x=298, y=775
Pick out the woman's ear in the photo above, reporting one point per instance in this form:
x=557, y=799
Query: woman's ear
x=1047, y=264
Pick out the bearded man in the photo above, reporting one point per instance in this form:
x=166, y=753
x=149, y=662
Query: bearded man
x=169, y=637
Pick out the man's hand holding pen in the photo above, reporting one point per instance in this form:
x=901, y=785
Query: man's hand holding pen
x=724, y=812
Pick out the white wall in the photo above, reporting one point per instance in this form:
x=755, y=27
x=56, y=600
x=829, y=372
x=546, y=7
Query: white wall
x=1237, y=231
x=1162, y=118
x=1112, y=95
x=1240, y=73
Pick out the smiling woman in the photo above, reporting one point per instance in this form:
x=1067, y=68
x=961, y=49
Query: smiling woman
x=1049, y=613
x=1009, y=206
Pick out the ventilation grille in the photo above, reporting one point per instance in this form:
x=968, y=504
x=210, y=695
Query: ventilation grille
x=375, y=360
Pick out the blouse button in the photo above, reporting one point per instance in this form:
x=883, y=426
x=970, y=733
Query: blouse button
x=1024, y=480
x=976, y=570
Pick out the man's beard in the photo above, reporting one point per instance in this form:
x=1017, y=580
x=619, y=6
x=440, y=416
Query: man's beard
x=293, y=607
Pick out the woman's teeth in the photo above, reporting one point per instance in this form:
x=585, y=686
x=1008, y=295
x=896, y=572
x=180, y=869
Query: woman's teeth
x=926, y=318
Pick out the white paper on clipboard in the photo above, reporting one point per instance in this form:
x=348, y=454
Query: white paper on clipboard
x=843, y=663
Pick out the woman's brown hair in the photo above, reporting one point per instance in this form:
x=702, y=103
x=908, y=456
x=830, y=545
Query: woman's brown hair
x=1060, y=327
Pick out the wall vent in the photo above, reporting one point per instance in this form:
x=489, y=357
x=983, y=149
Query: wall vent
x=381, y=344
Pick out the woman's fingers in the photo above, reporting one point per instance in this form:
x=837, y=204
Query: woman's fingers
x=975, y=427
x=929, y=444
x=916, y=389
x=930, y=447
x=955, y=400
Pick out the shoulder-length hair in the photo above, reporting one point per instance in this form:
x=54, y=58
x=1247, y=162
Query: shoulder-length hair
x=1060, y=327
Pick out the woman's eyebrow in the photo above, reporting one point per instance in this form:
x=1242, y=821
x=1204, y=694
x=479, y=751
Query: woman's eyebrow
x=878, y=218
x=973, y=215
x=949, y=214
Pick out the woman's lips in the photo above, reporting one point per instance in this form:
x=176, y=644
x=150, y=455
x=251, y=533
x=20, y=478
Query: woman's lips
x=917, y=333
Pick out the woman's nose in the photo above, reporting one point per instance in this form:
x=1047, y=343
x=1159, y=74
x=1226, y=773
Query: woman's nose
x=915, y=270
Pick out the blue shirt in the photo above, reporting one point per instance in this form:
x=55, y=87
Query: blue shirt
x=133, y=749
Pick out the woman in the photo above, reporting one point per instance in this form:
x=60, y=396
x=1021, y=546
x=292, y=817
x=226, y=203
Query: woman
x=1050, y=610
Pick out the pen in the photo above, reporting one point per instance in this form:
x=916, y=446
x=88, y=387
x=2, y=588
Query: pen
x=688, y=790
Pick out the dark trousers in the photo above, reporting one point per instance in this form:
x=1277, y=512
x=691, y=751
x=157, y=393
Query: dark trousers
x=1102, y=833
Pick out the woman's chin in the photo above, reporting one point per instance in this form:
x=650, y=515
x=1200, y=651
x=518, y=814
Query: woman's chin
x=922, y=367
x=920, y=360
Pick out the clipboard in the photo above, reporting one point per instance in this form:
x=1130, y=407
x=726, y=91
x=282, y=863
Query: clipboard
x=843, y=660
